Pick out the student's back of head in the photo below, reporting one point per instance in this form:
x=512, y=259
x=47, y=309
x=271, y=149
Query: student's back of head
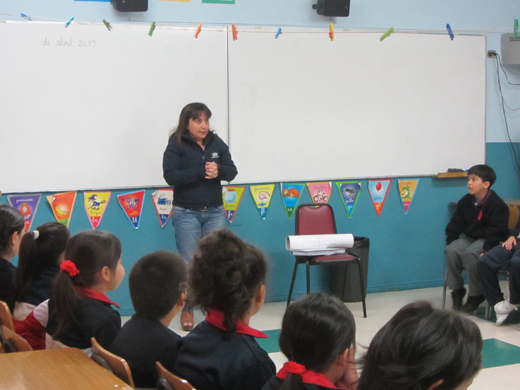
x=485, y=172
x=423, y=348
x=156, y=283
x=11, y=229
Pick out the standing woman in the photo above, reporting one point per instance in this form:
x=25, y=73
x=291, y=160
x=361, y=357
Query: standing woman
x=194, y=163
x=11, y=232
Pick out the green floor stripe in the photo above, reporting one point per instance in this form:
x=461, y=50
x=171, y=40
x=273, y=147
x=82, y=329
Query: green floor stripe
x=271, y=344
x=498, y=353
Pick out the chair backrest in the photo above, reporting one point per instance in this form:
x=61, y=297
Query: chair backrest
x=167, y=378
x=13, y=342
x=5, y=316
x=118, y=366
x=513, y=216
x=315, y=218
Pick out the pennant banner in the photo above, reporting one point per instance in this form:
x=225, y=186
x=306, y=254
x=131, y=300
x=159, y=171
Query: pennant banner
x=163, y=202
x=349, y=191
x=62, y=206
x=95, y=206
x=407, y=191
x=132, y=205
x=378, y=190
x=320, y=192
x=26, y=205
x=291, y=194
x=262, y=196
x=232, y=196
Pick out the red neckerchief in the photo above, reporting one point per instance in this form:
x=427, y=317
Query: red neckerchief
x=309, y=377
x=89, y=293
x=216, y=318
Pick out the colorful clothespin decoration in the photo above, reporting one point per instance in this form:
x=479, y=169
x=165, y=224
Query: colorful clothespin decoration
x=107, y=25
x=450, y=32
x=515, y=31
x=278, y=32
x=387, y=33
x=26, y=17
x=69, y=21
x=197, y=32
x=235, y=33
x=152, y=28
x=331, y=31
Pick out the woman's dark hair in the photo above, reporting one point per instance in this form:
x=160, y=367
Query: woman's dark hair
x=156, y=283
x=36, y=254
x=420, y=346
x=225, y=275
x=190, y=111
x=90, y=251
x=316, y=329
x=11, y=221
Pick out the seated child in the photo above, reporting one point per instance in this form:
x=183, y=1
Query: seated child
x=157, y=284
x=423, y=348
x=11, y=232
x=488, y=267
x=318, y=337
x=227, y=280
x=41, y=253
x=482, y=217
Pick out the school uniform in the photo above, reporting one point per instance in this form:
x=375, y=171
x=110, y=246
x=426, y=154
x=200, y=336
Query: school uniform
x=142, y=342
x=310, y=380
x=6, y=275
x=212, y=359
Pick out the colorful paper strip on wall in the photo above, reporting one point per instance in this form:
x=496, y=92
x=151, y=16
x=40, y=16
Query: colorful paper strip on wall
x=163, y=202
x=349, y=191
x=291, y=194
x=62, y=206
x=407, y=190
x=27, y=205
x=132, y=205
x=232, y=196
x=95, y=206
x=262, y=195
x=320, y=192
x=378, y=190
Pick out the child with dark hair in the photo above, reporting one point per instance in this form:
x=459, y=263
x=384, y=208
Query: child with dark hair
x=318, y=337
x=482, y=217
x=227, y=280
x=11, y=232
x=423, y=348
x=157, y=288
x=41, y=253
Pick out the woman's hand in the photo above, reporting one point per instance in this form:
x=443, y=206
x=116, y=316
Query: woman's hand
x=211, y=170
x=508, y=244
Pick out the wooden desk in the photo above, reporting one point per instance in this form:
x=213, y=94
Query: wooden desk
x=67, y=368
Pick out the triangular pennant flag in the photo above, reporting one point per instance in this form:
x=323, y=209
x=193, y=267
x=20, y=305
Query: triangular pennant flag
x=62, y=206
x=378, y=190
x=291, y=193
x=407, y=191
x=232, y=196
x=27, y=205
x=349, y=191
x=320, y=192
x=163, y=202
x=132, y=205
x=262, y=195
x=95, y=205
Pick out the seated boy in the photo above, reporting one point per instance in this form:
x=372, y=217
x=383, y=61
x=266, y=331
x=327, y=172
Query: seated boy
x=157, y=283
x=482, y=217
x=488, y=267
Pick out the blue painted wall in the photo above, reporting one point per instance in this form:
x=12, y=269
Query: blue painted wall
x=406, y=250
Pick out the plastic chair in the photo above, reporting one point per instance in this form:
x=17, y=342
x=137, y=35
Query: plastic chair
x=13, y=342
x=318, y=218
x=5, y=316
x=169, y=381
x=113, y=363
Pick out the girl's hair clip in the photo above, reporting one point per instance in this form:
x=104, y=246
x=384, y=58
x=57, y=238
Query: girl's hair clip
x=36, y=234
x=70, y=268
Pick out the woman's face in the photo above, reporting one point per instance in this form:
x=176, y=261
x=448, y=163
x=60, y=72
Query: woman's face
x=199, y=128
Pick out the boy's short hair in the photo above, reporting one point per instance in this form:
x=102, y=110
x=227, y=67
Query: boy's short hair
x=486, y=173
x=156, y=283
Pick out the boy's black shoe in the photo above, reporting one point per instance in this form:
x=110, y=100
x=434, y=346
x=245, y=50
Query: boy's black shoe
x=457, y=296
x=473, y=303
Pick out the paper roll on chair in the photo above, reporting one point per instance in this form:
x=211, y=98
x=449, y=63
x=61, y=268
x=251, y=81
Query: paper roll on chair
x=319, y=244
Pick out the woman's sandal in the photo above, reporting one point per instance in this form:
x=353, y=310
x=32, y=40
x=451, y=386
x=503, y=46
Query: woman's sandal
x=187, y=320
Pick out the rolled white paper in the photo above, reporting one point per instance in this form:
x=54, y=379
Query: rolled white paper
x=319, y=242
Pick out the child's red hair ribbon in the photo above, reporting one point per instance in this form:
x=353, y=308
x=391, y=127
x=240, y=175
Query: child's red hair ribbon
x=69, y=267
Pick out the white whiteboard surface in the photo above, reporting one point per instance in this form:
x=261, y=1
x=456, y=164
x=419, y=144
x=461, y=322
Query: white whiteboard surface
x=304, y=108
x=88, y=108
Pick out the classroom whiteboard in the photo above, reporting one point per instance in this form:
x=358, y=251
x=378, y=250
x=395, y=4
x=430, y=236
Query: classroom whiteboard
x=87, y=108
x=305, y=108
